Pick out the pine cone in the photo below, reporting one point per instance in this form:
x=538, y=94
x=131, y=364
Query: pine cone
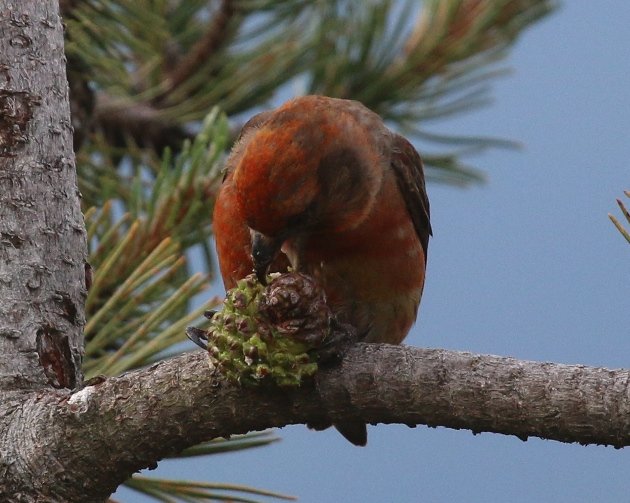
x=266, y=333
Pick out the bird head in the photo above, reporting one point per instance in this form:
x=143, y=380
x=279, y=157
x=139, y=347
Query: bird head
x=311, y=167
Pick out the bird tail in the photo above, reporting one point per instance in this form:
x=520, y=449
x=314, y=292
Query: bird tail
x=354, y=432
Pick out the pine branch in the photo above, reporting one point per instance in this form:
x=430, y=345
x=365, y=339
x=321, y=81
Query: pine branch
x=193, y=492
x=180, y=402
x=626, y=214
x=119, y=118
x=411, y=65
x=204, y=49
x=174, y=194
x=137, y=306
x=441, y=68
x=234, y=444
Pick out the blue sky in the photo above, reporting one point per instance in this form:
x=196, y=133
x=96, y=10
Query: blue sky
x=527, y=265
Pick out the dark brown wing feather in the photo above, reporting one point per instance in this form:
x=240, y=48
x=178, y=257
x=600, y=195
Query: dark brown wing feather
x=407, y=165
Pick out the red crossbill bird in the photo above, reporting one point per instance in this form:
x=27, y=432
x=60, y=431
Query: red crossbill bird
x=322, y=185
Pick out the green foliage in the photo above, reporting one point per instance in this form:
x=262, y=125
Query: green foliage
x=626, y=214
x=184, y=57
x=146, y=76
x=137, y=306
x=411, y=62
x=234, y=444
x=190, y=491
x=414, y=73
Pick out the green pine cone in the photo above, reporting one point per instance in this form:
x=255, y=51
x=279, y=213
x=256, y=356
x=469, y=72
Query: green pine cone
x=265, y=333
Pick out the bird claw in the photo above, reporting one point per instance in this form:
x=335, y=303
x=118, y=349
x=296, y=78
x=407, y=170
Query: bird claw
x=198, y=336
x=335, y=345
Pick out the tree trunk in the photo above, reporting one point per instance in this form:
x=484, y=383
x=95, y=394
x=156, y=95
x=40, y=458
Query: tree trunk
x=42, y=236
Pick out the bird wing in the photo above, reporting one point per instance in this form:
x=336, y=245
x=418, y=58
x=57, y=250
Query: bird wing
x=409, y=171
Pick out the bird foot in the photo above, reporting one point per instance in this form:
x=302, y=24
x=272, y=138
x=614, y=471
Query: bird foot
x=336, y=343
x=198, y=336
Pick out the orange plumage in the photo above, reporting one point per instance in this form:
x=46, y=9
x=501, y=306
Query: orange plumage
x=323, y=181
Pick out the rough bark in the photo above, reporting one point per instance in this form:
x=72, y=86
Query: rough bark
x=180, y=402
x=42, y=236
